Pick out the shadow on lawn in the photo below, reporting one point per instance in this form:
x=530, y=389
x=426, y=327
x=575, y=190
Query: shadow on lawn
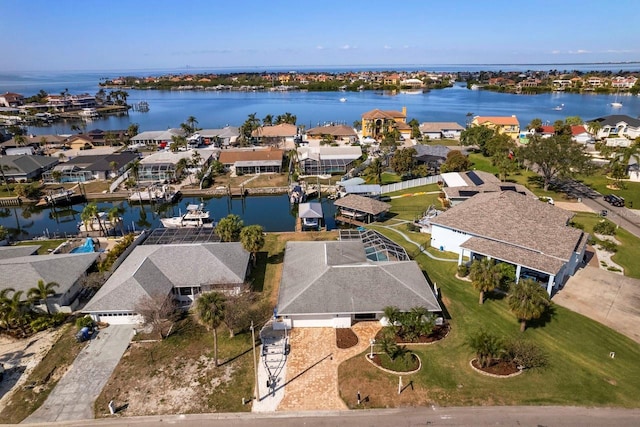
x=543, y=320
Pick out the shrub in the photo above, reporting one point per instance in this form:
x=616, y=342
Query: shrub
x=41, y=323
x=609, y=246
x=486, y=347
x=576, y=225
x=85, y=321
x=525, y=354
x=412, y=227
x=605, y=227
x=463, y=270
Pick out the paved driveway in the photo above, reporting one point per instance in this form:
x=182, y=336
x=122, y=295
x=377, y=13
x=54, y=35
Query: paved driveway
x=606, y=297
x=73, y=396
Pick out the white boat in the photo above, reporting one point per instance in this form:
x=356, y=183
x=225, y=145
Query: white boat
x=558, y=107
x=616, y=104
x=196, y=216
x=155, y=194
x=57, y=197
x=343, y=99
x=89, y=113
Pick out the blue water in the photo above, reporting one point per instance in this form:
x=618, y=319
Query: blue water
x=274, y=213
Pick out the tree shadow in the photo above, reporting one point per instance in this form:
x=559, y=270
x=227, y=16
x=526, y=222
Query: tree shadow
x=258, y=272
x=276, y=258
x=543, y=320
x=237, y=356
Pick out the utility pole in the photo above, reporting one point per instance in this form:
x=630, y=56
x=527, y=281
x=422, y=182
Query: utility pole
x=255, y=364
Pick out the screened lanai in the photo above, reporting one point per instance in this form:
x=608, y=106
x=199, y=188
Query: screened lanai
x=376, y=246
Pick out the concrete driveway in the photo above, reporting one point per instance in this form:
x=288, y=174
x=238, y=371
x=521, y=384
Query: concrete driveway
x=73, y=396
x=605, y=297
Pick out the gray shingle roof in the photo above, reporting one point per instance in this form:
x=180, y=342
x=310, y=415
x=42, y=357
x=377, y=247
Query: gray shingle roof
x=25, y=164
x=336, y=277
x=518, y=220
x=151, y=269
x=22, y=273
x=614, y=119
x=7, y=252
x=362, y=204
x=310, y=210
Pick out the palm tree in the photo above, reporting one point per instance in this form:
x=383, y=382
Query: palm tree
x=229, y=228
x=134, y=168
x=374, y=171
x=3, y=169
x=486, y=346
x=392, y=314
x=133, y=130
x=115, y=217
x=528, y=300
x=192, y=122
x=252, y=238
x=89, y=213
x=114, y=168
x=17, y=310
x=268, y=120
x=196, y=158
x=178, y=142
x=209, y=309
x=4, y=306
x=594, y=127
x=484, y=276
x=42, y=292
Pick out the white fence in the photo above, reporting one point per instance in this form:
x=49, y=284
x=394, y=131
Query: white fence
x=390, y=188
x=114, y=185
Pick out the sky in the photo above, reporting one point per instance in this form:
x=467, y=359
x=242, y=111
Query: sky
x=59, y=35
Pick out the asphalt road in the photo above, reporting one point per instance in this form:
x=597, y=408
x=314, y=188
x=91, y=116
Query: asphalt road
x=620, y=216
x=538, y=416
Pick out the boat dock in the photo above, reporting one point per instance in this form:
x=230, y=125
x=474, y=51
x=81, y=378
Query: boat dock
x=348, y=220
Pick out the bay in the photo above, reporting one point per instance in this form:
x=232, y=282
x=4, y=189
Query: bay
x=273, y=213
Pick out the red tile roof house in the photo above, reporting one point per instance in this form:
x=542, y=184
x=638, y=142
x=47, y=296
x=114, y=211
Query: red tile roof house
x=520, y=230
x=578, y=133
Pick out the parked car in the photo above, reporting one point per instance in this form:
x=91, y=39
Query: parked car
x=614, y=200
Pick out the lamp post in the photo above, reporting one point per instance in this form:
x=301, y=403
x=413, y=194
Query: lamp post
x=255, y=364
x=372, y=341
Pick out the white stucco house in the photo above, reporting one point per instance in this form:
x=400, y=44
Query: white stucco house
x=510, y=227
x=335, y=283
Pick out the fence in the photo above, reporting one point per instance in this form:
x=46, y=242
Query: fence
x=114, y=185
x=390, y=188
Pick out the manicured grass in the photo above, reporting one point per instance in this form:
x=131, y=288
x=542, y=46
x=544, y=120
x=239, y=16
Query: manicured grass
x=45, y=245
x=628, y=250
x=44, y=377
x=390, y=178
x=580, y=371
x=414, y=203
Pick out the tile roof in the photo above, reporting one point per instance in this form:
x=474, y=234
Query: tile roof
x=380, y=114
x=337, y=130
x=245, y=155
x=281, y=130
x=362, y=204
x=497, y=120
x=336, y=277
x=517, y=220
x=153, y=269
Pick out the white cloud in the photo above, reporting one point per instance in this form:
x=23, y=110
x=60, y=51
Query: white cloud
x=555, y=52
x=406, y=46
x=579, y=52
x=619, y=51
x=320, y=47
x=347, y=47
x=386, y=46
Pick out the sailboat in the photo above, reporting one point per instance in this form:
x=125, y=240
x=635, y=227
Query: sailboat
x=616, y=104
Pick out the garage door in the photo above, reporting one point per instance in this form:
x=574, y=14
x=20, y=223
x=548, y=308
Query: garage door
x=118, y=318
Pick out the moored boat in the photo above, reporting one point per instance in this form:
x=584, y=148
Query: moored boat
x=195, y=216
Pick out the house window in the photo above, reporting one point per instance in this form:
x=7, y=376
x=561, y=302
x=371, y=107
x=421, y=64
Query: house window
x=185, y=291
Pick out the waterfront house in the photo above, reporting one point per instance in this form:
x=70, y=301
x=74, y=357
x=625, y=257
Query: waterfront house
x=507, y=125
x=520, y=230
x=161, y=166
x=578, y=133
x=11, y=100
x=180, y=270
x=282, y=135
x=440, y=130
x=252, y=160
x=92, y=167
x=460, y=186
x=618, y=125
x=224, y=137
x=24, y=167
x=336, y=283
x=433, y=156
x=21, y=270
x=339, y=134
x=316, y=159
x=159, y=138
x=376, y=122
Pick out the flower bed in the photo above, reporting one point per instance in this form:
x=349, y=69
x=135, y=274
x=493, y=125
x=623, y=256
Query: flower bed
x=497, y=369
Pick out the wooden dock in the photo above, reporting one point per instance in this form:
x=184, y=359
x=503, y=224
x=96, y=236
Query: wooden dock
x=347, y=220
x=10, y=201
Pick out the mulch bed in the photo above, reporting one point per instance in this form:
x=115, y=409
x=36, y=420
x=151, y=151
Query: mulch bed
x=346, y=338
x=438, y=333
x=498, y=367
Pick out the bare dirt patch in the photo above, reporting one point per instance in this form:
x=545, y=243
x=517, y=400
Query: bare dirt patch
x=346, y=338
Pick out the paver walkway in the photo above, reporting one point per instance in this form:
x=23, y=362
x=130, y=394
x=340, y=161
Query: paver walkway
x=73, y=397
x=312, y=367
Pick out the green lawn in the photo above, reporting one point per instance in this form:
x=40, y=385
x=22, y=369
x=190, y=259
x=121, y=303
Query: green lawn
x=580, y=371
x=45, y=245
x=630, y=192
x=628, y=250
x=390, y=178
